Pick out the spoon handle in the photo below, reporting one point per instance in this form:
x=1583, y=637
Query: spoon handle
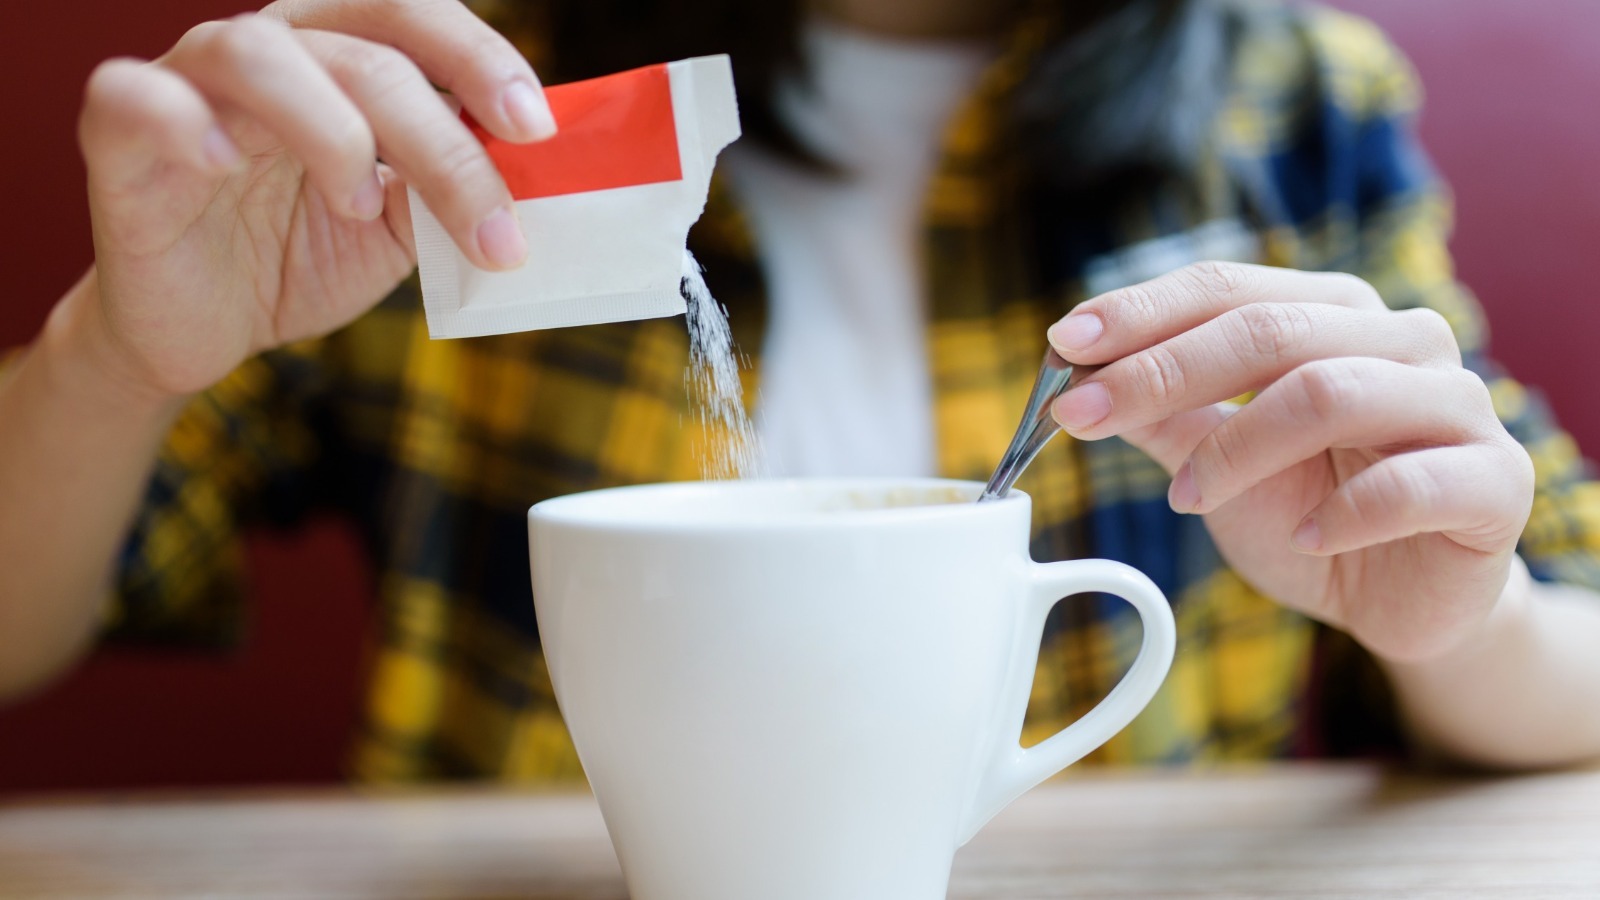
x=1036, y=428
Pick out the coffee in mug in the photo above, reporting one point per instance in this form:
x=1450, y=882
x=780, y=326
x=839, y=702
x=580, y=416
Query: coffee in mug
x=809, y=690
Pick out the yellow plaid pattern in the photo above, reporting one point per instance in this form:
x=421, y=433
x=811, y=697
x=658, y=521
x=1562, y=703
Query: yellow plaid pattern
x=435, y=449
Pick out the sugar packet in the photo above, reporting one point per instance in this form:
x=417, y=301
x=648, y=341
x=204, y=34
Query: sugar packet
x=605, y=205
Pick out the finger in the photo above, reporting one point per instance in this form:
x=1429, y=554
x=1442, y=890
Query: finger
x=256, y=65
x=427, y=144
x=1130, y=319
x=137, y=116
x=1172, y=440
x=1476, y=495
x=455, y=49
x=1242, y=350
x=1332, y=404
x=397, y=210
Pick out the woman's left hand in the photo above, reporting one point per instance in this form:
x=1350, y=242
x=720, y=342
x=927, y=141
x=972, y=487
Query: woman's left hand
x=1368, y=484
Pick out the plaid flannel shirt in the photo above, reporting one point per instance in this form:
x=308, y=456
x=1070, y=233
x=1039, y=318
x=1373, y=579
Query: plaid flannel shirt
x=436, y=449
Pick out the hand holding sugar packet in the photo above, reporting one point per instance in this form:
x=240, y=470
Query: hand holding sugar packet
x=605, y=205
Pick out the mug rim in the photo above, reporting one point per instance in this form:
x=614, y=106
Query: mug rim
x=599, y=508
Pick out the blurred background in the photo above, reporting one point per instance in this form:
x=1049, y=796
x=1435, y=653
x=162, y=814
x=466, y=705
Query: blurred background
x=1509, y=119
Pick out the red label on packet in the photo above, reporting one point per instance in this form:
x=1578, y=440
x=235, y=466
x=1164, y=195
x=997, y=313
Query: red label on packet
x=615, y=131
x=604, y=205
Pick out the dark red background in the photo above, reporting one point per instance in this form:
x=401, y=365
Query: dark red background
x=1512, y=93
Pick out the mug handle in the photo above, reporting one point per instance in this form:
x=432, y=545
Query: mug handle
x=1013, y=770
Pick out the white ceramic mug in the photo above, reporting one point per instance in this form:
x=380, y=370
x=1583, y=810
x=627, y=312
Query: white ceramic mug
x=808, y=690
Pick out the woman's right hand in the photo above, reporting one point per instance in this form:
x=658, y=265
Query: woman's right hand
x=236, y=198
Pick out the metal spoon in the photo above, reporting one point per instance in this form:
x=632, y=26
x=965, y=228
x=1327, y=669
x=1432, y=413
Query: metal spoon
x=1035, y=430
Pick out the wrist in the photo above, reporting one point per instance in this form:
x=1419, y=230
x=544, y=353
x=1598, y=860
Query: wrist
x=1507, y=622
x=1519, y=693
x=80, y=354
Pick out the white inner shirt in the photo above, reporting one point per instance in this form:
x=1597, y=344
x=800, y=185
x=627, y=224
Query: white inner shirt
x=845, y=388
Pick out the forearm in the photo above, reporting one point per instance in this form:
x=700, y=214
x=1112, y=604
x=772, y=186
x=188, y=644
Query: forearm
x=75, y=453
x=1522, y=693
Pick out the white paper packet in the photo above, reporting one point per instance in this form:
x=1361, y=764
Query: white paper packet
x=605, y=205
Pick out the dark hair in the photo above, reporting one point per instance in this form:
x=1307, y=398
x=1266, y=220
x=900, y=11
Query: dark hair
x=1119, y=88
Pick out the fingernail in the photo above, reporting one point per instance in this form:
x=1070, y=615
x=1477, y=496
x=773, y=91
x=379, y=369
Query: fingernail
x=367, y=204
x=220, y=151
x=529, y=111
x=1083, y=406
x=1308, y=537
x=1078, y=331
x=500, y=239
x=1183, y=496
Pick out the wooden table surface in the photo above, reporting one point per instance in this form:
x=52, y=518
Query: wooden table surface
x=1303, y=831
